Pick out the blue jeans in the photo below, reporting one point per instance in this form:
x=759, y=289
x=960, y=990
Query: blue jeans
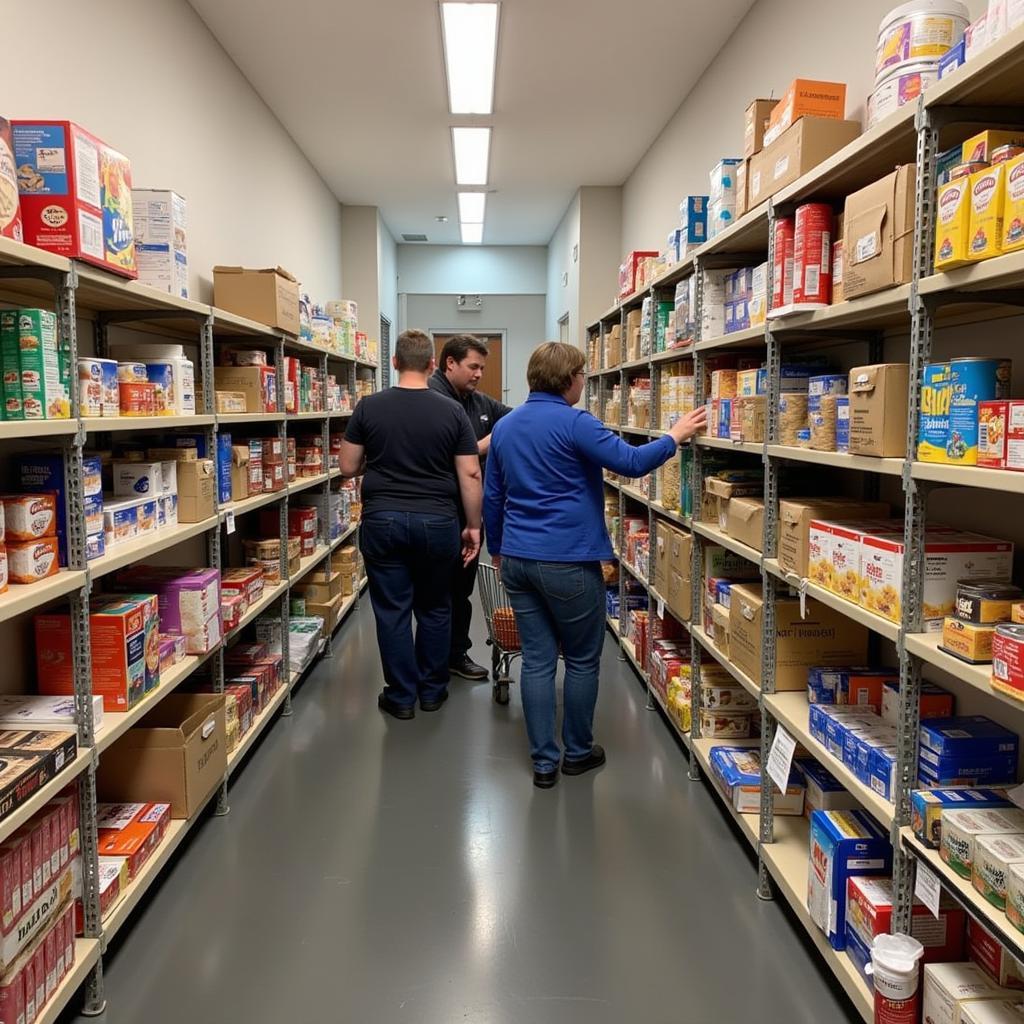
x=410, y=558
x=558, y=604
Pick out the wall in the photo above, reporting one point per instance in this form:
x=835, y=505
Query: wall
x=387, y=275
x=563, y=273
x=473, y=269
x=777, y=41
x=151, y=80
x=520, y=316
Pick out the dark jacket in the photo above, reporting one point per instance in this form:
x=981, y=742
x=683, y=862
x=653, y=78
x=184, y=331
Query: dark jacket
x=482, y=410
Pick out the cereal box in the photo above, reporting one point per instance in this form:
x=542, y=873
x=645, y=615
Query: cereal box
x=29, y=517
x=132, y=831
x=75, y=194
x=952, y=229
x=1001, y=434
x=986, y=221
x=44, y=393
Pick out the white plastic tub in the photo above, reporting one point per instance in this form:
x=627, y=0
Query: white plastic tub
x=900, y=87
x=916, y=31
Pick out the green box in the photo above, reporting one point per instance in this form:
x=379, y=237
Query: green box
x=44, y=396
x=13, y=405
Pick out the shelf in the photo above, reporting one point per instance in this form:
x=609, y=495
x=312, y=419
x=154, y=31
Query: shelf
x=613, y=625
x=636, y=364
x=42, y=796
x=306, y=416
x=630, y=652
x=270, y=595
x=21, y=598
x=676, y=517
x=256, y=729
x=634, y=572
x=969, y=476
x=751, y=336
x=250, y=504
x=117, y=723
x=18, y=254
x=142, y=547
x=87, y=953
x=792, y=711
x=671, y=355
x=642, y=431
x=864, y=463
x=684, y=737
x=612, y=483
x=239, y=326
x=306, y=565
x=751, y=447
x=93, y=424
x=889, y=308
x=995, y=77
x=883, y=627
x=723, y=539
x=963, y=891
x=632, y=492
x=749, y=824
x=15, y=430
x=103, y=291
x=672, y=275
x=748, y=235
x=926, y=647
x=228, y=418
x=339, y=415
x=344, y=536
x=347, y=605
x=735, y=671
x=136, y=889
x=787, y=861
x=305, y=482
x=1000, y=272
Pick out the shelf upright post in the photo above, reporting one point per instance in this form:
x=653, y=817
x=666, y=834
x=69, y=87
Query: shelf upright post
x=696, y=504
x=282, y=526
x=653, y=421
x=325, y=467
x=769, y=547
x=621, y=538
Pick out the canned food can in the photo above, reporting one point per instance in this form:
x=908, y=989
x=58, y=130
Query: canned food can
x=972, y=380
x=812, y=256
x=131, y=373
x=161, y=376
x=1008, y=659
x=111, y=396
x=933, y=431
x=90, y=387
x=1003, y=153
x=137, y=399
x=782, y=275
x=966, y=170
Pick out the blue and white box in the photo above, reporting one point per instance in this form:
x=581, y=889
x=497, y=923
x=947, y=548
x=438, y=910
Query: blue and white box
x=952, y=59
x=722, y=180
x=823, y=791
x=882, y=771
x=968, y=735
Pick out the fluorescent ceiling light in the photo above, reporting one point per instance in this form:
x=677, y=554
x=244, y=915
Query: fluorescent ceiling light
x=470, y=52
x=472, y=234
x=472, y=148
x=471, y=207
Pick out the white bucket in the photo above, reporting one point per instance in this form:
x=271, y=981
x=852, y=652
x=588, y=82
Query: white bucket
x=900, y=87
x=917, y=31
x=894, y=967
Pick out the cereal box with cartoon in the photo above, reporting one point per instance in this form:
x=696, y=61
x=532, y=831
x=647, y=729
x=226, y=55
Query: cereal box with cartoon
x=76, y=194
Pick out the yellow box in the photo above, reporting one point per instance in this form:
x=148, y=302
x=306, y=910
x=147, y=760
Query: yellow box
x=723, y=384
x=952, y=228
x=986, y=232
x=981, y=146
x=969, y=641
x=746, y=383
x=1013, y=205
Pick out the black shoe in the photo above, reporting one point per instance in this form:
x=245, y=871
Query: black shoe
x=580, y=765
x=433, y=705
x=545, y=780
x=466, y=668
x=402, y=712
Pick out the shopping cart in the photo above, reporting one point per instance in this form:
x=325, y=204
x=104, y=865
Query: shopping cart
x=502, y=632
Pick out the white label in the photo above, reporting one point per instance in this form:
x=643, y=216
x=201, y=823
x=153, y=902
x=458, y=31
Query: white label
x=812, y=281
x=230, y=521
x=781, y=166
x=803, y=599
x=208, y=727
x=780, y=758
x=927, y=887
x=867, y=246
x=90, y=230
x=87, y=172
x=661, y=608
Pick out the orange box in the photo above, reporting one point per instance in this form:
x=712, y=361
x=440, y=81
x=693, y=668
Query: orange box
x=806, y=97
x=132, y=831
x=33, y=561
x=29, y=516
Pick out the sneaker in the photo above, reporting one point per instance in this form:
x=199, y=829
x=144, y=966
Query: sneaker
x=467, y=668
x=580, y=765
x=402, y=712
x=545, y=780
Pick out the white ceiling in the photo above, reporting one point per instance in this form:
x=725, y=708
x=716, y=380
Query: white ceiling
x=583, y=89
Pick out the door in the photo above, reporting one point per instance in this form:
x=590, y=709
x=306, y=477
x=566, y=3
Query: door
x=491, y=381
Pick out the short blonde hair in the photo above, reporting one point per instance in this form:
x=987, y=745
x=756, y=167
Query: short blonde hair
x=553, y=366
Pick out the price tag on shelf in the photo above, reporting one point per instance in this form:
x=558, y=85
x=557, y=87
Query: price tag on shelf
x=803, y=599
x=927, y=887
x=229, y=521
x=661, y=608
x=780, y=758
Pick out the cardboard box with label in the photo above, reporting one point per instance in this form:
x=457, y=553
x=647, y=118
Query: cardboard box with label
x=878, y=222
x=239, y=472
x=822, y=637
x=177, y=754
x=745, y=521
x=796, y=151
x=269, y=296
x=742, y=169
x=197, y=491
x=805, y=98
x=878, y=409
x=795, y=515
x=661, y=556
x=256, y=383
x=755, y=122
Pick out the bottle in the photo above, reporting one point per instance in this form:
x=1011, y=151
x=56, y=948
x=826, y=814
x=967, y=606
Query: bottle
x=894, y=965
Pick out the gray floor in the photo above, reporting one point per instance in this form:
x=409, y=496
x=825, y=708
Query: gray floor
x=376, y=872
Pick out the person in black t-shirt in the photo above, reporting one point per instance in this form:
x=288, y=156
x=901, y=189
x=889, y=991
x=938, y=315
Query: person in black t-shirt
x=418, y=456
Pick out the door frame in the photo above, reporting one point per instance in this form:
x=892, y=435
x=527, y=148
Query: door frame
x=433, y=331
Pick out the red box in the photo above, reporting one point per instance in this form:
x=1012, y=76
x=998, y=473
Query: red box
x=69, y=938
x=273, y=450
x=248, y=582
x=628, y=271
x=10, y=886
x=133, y=831
x=988, y=953
x=60, y=948
x=12, y=998
x=28, y=974
x=273, y=476
x=76, y=194
x=1001, y=434
x=35, y=841
x=21, y=844
x=245, y=654
x=232, y=610
x=50, y=958
x=42, y=826
x=292, y=370
x=39, y=970
x=243, y=697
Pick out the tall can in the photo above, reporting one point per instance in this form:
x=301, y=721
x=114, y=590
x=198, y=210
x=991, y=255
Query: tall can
x=896, y=975
x=782, y=267
x=973, y=379
x=936, y=396
x=812, y=256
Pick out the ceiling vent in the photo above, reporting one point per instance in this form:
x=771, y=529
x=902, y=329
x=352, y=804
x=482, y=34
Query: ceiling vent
x=414, y=238
x=469, y=303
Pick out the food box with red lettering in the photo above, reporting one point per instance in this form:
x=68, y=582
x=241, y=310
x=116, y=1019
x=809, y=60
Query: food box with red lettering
x=36, y=918
x=243, y=699
x=131, y=830
x=247, y=582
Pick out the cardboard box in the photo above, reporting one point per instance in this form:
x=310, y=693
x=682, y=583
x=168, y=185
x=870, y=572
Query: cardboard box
x=255, y=382
x=177, y=755
x=269, y=296
x=796, y=151
x=878, y=250
x=239, y=472
x=329, y=611
x=745, y=521
x=947, y=988
x=197, y=491
x=660, y=556
x=795, y=515
x=823, y=637
x=755, y=123
x=680, y=596
x=753, y=416
x=805, y=98
x=878, y=409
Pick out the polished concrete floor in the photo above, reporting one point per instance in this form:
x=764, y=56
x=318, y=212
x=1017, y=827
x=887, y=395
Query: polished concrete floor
x=377, y=872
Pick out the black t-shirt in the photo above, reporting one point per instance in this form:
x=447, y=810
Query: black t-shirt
x=411, y=437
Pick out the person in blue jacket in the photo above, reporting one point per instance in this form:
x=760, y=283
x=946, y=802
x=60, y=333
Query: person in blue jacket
x=544, y=519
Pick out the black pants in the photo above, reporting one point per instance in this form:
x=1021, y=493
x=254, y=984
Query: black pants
x=463, y=584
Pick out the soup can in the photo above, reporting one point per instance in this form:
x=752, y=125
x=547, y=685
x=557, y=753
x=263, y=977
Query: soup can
x=111, y=387
x=933, y=430
x=973, y=379
x=131, y=373
x=1008, y=659
x=90, y=387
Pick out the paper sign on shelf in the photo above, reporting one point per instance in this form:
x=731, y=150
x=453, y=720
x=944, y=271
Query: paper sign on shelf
x=780, y=758
x=230, y=521
x=661, y=608
x=927, y=887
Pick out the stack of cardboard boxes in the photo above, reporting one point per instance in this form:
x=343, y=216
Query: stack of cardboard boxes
x=672, y=569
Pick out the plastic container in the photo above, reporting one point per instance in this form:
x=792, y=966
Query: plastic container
x=920, y=30
x=894, y=968
x=899, y=87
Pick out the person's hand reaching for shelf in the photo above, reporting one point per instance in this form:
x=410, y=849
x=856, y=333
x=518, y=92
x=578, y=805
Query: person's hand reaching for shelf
x=686, y=426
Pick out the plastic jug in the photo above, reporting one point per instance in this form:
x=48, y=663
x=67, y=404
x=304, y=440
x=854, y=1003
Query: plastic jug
x=894, y=965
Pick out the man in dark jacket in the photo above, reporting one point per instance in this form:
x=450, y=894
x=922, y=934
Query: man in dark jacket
x=458, y=373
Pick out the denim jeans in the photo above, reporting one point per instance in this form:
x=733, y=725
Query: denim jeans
x=558, y=604
x=410, y=557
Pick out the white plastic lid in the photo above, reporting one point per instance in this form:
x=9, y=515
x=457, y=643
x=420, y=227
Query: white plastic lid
x=896, y=952
x=953, y=7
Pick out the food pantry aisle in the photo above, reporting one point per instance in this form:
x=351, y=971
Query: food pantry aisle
x=380, y=871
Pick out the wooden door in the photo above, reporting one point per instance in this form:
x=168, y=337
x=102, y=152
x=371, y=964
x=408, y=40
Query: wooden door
x=491, y=381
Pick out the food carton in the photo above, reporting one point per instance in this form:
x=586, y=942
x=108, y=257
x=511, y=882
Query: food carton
x=10, y=206
x=132, y=831
x=947, y=989
x=878, y=409
x=953, y=225
x=929, y=806
x=823, y=791
x=986, y=218
x=805, y=98
x=755, y=123
x=993, y=857
x=161, y=241
x=737, y=771
x=270, y=296
x=985, y=950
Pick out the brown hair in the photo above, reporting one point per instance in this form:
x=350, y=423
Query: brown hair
x=459, y=346
x=553, y=366
x=413, y=351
